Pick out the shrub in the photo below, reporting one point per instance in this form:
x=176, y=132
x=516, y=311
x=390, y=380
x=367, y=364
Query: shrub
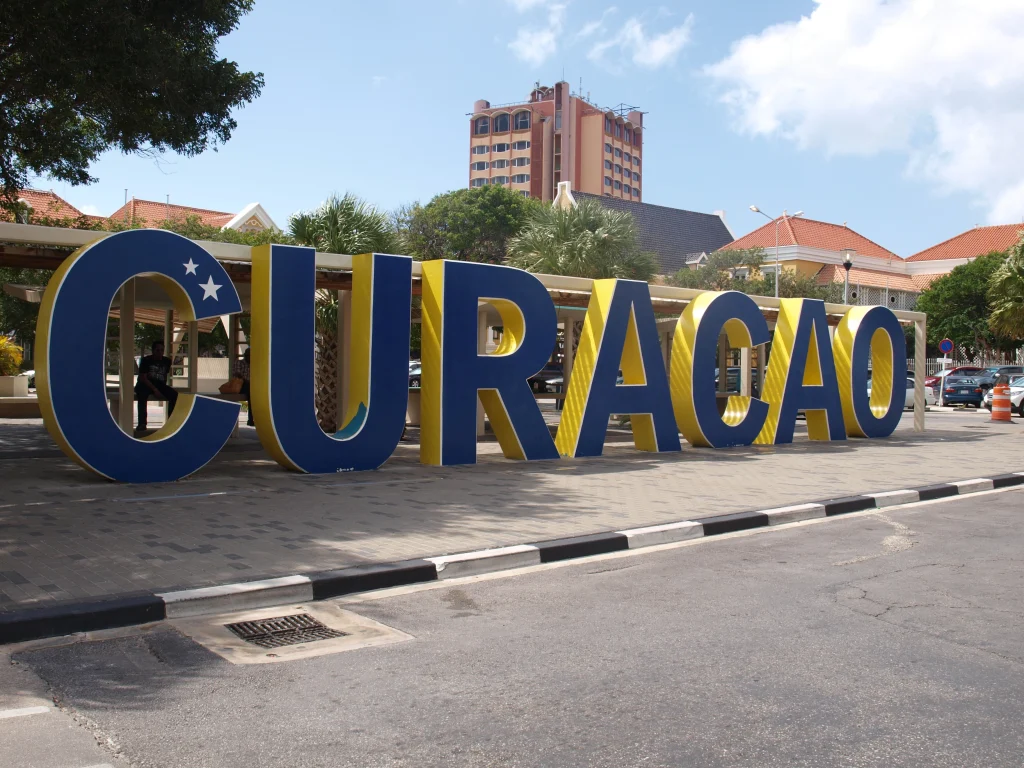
x=10, y=357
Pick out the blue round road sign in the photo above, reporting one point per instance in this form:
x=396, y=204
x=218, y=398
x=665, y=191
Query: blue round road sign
x=946, y=346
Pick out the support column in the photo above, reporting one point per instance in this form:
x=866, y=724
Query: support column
x=920, y=340
x=169, y=351
x=762, y=366
x=193, y=357
x=723, y=363
x=344, y=352
x=746, y=387
x=126, y=383
x=481, y=348
x=568, y=358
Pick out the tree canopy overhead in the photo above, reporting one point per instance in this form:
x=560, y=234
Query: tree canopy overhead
x=586, y=240
x=80, y=76
x=958, y=308
x=466, y=224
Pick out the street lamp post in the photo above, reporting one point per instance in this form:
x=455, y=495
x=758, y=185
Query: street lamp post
x=847, y=263
x=796, y=215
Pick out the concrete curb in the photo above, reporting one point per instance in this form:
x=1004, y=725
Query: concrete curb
x=128, y=610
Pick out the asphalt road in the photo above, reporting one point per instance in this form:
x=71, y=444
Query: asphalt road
x=889, y=639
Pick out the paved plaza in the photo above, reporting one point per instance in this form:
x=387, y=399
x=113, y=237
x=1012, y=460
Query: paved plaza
x=65, y=534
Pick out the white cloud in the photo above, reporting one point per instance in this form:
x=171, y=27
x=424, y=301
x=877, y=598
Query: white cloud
x=648, y=51
x=90, y=210
x=941, y=83
x=597, y=25
x=377, y=80
x=535, y=45
x=525, y=5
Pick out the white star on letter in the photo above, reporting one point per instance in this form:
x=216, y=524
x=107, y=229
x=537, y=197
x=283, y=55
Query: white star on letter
x=190, y=268
x=210, y=289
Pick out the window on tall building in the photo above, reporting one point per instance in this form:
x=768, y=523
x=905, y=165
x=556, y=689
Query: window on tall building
x=636, y=192
x=524, y=193
x=499, y=180
x=520, y=178
x=607, y=165
x=607, y=181
x=478, y=183
x=520, y=145
x=607, y=147
x=627, y=158
x=501, y=147
x=618, y=130
x=629, y=135
x=636, y=160
x=480, y=165
x=618, y=185
x=626, y=189
x=618, y=168
x=521, y=121
x=481, y=149
x=520, y=161
x=499, y=163
x=481, y=125
x=558, y=120
x=500, y=123
x=618, y=152
x=636, y=176
x=607, y=125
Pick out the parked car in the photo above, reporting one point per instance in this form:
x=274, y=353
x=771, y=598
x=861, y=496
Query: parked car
x=1016, y=396
x=961, y=389
x=987, y=378
x=415, y=373
x=547, y=379
x=908, y=402
x=964, y=370
x=31, y=378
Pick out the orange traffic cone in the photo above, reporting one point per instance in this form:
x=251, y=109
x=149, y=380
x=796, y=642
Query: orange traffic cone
x=1001, y=402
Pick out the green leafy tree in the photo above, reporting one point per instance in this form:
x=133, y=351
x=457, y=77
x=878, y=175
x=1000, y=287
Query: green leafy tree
x=722, y=271
x=78, y=77
x=340, y=225
x=1006, y=293
x=958, y=308
x=740, y=270
x=586, y=240
x=467, y=224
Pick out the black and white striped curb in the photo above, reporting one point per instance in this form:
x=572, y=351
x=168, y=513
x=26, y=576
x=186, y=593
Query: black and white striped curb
x=144, y=608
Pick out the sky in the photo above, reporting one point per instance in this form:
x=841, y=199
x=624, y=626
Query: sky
x=902, y=118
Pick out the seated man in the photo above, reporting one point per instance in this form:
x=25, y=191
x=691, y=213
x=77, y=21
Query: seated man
x=154, y=371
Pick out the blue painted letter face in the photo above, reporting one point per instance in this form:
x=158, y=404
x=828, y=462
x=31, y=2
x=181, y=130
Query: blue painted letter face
x=455, y=373
x=71, y=337
x=619, y=331
x=283, y=333
x=871, y=339
x=694, y=353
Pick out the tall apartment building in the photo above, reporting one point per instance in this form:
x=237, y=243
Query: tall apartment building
x=557, y=136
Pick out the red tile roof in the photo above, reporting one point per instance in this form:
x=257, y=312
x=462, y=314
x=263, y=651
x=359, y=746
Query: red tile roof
x=972, y=243
x=812, y=234
x=49, y=204
x=152, y=213
x=834, y=273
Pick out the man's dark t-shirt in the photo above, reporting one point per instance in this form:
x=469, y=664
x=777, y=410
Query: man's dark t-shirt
x=157, y=369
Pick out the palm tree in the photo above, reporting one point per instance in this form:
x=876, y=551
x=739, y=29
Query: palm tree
x=583, y=240
x=340, y=225
x=1006, y=293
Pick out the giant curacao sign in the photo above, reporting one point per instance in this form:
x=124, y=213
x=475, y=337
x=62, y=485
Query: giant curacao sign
x=823, y=375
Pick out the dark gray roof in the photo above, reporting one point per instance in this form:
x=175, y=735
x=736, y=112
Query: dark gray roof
x=675, y=236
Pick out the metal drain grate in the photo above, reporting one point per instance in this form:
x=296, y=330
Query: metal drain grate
x=283, y=630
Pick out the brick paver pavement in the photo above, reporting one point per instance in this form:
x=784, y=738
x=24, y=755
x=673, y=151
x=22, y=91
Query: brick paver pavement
x=64, y=534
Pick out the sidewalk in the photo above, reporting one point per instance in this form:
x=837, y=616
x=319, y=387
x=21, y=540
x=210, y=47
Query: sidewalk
x=65, y=535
